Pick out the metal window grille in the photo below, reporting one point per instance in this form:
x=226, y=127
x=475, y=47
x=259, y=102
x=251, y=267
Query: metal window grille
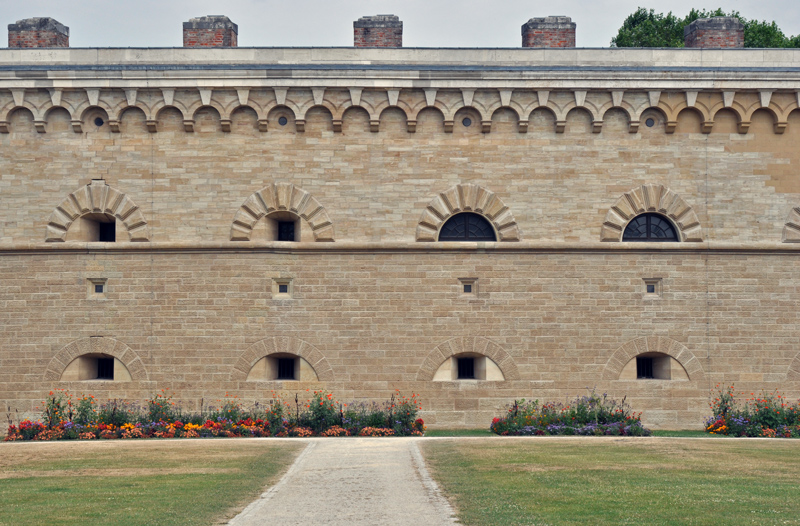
x=285, y=368
x=285, y=230
x=105, y=368
x=466, y=368
x=644, y=367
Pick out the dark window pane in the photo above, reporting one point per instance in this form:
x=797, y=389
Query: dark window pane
x=466, y=368
x=644, y=367
x=660, y=229
x=649, y=227
x=283, y=289
x=467, y=289
x=285, y=230
x=105, y=368
x=108, y=232
x=285, y=368
x=651, y=289
x=467, y=227
x=98, y=289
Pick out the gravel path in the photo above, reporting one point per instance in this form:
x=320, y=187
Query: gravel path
x=376, y=481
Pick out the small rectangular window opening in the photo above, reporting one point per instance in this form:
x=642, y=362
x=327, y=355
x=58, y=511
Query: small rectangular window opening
x=285, y=368
x=107, y=232
x=652, y=288
x=282, y=288
x=469, y=286
x=105, y=368
x=466, y=368
x=96, y=288
x=644, y=367
x=285, y=230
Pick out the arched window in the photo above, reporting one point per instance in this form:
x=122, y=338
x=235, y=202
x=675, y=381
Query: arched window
x=467, y=227
x=649, y=227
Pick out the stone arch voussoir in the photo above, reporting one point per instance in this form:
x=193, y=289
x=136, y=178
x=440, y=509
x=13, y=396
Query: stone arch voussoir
x=467, y=198
x=651, y=198
x=96, y=345
x=97, y=198
x=468, y=344
x=791, y=230
x=281, y=197
x=793, y=374
x=657, y=344
x=282, y=344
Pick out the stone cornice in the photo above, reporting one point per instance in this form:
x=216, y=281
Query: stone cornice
x=347, y=247
x=400, y=68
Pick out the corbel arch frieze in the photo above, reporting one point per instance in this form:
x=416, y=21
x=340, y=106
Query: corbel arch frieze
x=97, y=198
x=279, y=197
x=469, y=345
x=651, y=198
x=11, y=107
x=96, y=345
x=196, y=106
x=791, y=230
x=79, y=112
x=282, y=345
x=653, y=344
x=467, y=198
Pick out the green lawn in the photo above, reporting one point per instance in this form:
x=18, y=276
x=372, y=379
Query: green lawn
x=568, y=481
x=179, y=482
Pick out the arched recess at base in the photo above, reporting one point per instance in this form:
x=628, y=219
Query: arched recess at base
x=96, y=345
x=286, y=345
x=653, y=344
x=470, y=345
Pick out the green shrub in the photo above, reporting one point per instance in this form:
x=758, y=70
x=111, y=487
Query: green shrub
x=766, y=415
x=591, y=415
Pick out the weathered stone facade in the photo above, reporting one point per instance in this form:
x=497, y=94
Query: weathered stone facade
x=370, y=152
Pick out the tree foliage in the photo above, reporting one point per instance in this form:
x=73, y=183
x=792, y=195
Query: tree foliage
x=646, y=28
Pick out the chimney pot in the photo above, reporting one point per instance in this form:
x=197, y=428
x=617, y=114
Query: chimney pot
x=38, y=32
x=210, y=31
x=378, y=31
x=549, y=32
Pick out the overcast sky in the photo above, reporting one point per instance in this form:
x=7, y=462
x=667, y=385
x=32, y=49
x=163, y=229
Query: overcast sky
x=426, y=23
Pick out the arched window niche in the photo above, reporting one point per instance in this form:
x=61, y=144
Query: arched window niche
x=282, y=226
x=96, y=366
x=468, y=366
x=282, y=367
x=653, y=366
x=467, y=226
x=650, y=227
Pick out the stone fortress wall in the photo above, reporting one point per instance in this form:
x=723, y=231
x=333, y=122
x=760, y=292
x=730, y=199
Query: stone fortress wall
x=371, y=151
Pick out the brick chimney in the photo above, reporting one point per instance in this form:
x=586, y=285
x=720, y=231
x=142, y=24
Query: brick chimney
x=210, y=31
x=549, y=31
x=717, y=32
x=378, y=31
x=38, y=32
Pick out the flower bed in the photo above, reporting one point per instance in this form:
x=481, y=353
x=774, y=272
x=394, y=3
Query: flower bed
x=591, y=415
x=768, y=415
x=65, y=418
